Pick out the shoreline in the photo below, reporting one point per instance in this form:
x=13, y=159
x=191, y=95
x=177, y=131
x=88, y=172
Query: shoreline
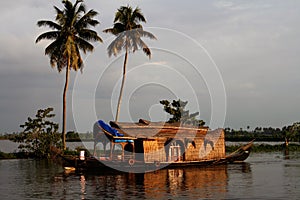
x=257, y=148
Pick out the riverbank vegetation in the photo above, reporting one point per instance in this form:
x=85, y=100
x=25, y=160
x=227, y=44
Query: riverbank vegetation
x=289, y=133
x=39, y=135
x=257, y=148
x=286, y=134
x=259, y=134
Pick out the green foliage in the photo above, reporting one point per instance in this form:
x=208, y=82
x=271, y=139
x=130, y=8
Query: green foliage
x=15, y=155
x=70, y=152
x=70, y=33
x=8, y=136
x=266, y=148
x=39, y=134
x=86, y=136
x=292, y=132
x=128, y=31
x=6, y=155
x=288, y=134
x=179, y=114
x=72, y=136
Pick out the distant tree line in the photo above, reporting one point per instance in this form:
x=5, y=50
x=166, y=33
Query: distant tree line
x=71, y=136
x=290, y=133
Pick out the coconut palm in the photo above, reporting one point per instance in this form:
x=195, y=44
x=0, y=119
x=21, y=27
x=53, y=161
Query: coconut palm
x=70, y=34
x=129, y=33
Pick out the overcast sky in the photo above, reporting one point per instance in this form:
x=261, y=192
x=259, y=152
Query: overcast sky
x=237, y=62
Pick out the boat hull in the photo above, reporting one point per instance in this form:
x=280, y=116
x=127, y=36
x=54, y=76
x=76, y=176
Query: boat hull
x=95, y=164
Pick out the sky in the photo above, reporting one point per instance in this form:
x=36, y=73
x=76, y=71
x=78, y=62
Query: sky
x=236, y=62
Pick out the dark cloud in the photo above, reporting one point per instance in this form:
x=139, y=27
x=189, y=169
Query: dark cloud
x=255, y=45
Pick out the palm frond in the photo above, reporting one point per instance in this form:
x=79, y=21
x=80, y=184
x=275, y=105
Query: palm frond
x=51, y=35
x=117, y=16
x=128, y=32
x=54, y=51
x=117, y=29
x=147, y=52
x=87, y=20
x=91, y=13
x=92, y=22
x=109, y=30
x=76, y=3
x=116, y=46
x=76, y=60
x=68, y=5
x=81, y=9
x=145, y=48
x=133, y=44
x=53, y=47
x=59, y=15
x=79, y=62
x=138, y=26
x=122, y=13
x=138, y=16
x=90, y=35
x=84, y=45
x=58, y=11
x=147, y=34
x=71, y=35
x=50, y=24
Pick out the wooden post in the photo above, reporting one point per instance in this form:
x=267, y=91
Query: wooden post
x=104, y=149
x=123, y=154
x=112, y=146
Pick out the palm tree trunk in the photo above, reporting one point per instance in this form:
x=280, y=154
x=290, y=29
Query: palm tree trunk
x=122, y=86
x=63, y=134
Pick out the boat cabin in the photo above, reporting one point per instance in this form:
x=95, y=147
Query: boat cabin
x=157, y=142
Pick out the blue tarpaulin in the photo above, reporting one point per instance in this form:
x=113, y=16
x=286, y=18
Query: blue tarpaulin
x=131, y=141
x=109, y=129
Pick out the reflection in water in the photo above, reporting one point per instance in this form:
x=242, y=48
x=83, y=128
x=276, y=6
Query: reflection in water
x=286, y=153
x=200, y=182
x=175, y=179
x=189, y=183
x=82, y=184
x=266, y=176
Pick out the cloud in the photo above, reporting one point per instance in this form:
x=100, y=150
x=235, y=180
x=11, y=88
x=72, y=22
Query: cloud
x=255, y=45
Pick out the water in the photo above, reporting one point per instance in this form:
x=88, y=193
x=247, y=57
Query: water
x=263, y=176
x=9, y=146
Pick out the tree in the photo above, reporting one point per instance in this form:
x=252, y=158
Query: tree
x=179, y=114
x=291, y=132
x=39, y=134
x=128, y=32
x=70, y=34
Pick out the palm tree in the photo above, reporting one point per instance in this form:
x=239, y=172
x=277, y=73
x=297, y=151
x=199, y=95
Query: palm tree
x=128, y=32
x=70, y=34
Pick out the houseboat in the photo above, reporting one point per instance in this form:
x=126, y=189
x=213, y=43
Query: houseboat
x=146, y=145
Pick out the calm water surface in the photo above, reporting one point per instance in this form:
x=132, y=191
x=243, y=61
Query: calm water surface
x=263, y=176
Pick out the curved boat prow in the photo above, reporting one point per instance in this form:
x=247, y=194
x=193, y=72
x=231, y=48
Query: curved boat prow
x=241, y=153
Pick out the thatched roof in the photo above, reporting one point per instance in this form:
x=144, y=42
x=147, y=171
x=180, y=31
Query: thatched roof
x=155, y=130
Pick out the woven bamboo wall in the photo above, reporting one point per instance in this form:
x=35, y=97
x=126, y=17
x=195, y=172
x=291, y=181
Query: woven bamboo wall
x=219, y=146
x=204, y=147
x=192, y=152
x=154, y=151
x=211, y=146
